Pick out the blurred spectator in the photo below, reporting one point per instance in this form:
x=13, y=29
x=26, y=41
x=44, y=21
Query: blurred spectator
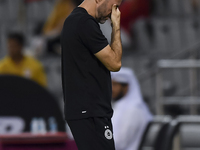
x=131, y=114
x=54, y=24
x=131, y=10
x=195, y=5
x=37, y=42
x=18, y=64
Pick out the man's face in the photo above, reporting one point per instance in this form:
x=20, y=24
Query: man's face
x=118, y=90
x=14, y=47
x=104, y=9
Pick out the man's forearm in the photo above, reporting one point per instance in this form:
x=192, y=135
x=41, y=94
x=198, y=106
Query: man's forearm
x=116, y=43
x=111, y=55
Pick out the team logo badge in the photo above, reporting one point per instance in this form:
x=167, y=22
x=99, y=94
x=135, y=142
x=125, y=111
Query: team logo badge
x=108, y=134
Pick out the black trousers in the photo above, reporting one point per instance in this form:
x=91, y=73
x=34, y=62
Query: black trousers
x=92, y=133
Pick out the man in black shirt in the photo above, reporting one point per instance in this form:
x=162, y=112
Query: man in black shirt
x=87, y=60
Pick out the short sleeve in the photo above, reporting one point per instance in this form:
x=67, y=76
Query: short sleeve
x=91, y=36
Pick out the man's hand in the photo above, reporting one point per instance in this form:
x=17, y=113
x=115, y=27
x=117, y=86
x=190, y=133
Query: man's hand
x=115, y=17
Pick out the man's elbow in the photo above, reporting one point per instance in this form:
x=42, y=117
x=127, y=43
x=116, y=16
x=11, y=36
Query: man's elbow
x=116, y=67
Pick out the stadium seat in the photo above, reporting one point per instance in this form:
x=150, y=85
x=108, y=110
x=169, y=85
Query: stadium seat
x=154, y=134
x=188, y=127
x=189, y=136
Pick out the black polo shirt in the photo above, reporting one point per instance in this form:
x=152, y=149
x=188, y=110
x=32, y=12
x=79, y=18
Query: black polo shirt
x=86, y=81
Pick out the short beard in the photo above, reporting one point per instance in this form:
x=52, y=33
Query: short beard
x=119, y=96
x=101, y=19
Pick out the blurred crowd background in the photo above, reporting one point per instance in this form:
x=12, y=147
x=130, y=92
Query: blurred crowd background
x=161, y=42
x=152, y=30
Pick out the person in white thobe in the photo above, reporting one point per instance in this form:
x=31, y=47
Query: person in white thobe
x=131, y=115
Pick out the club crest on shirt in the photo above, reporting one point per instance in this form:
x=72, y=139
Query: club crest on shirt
x=108, y=134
